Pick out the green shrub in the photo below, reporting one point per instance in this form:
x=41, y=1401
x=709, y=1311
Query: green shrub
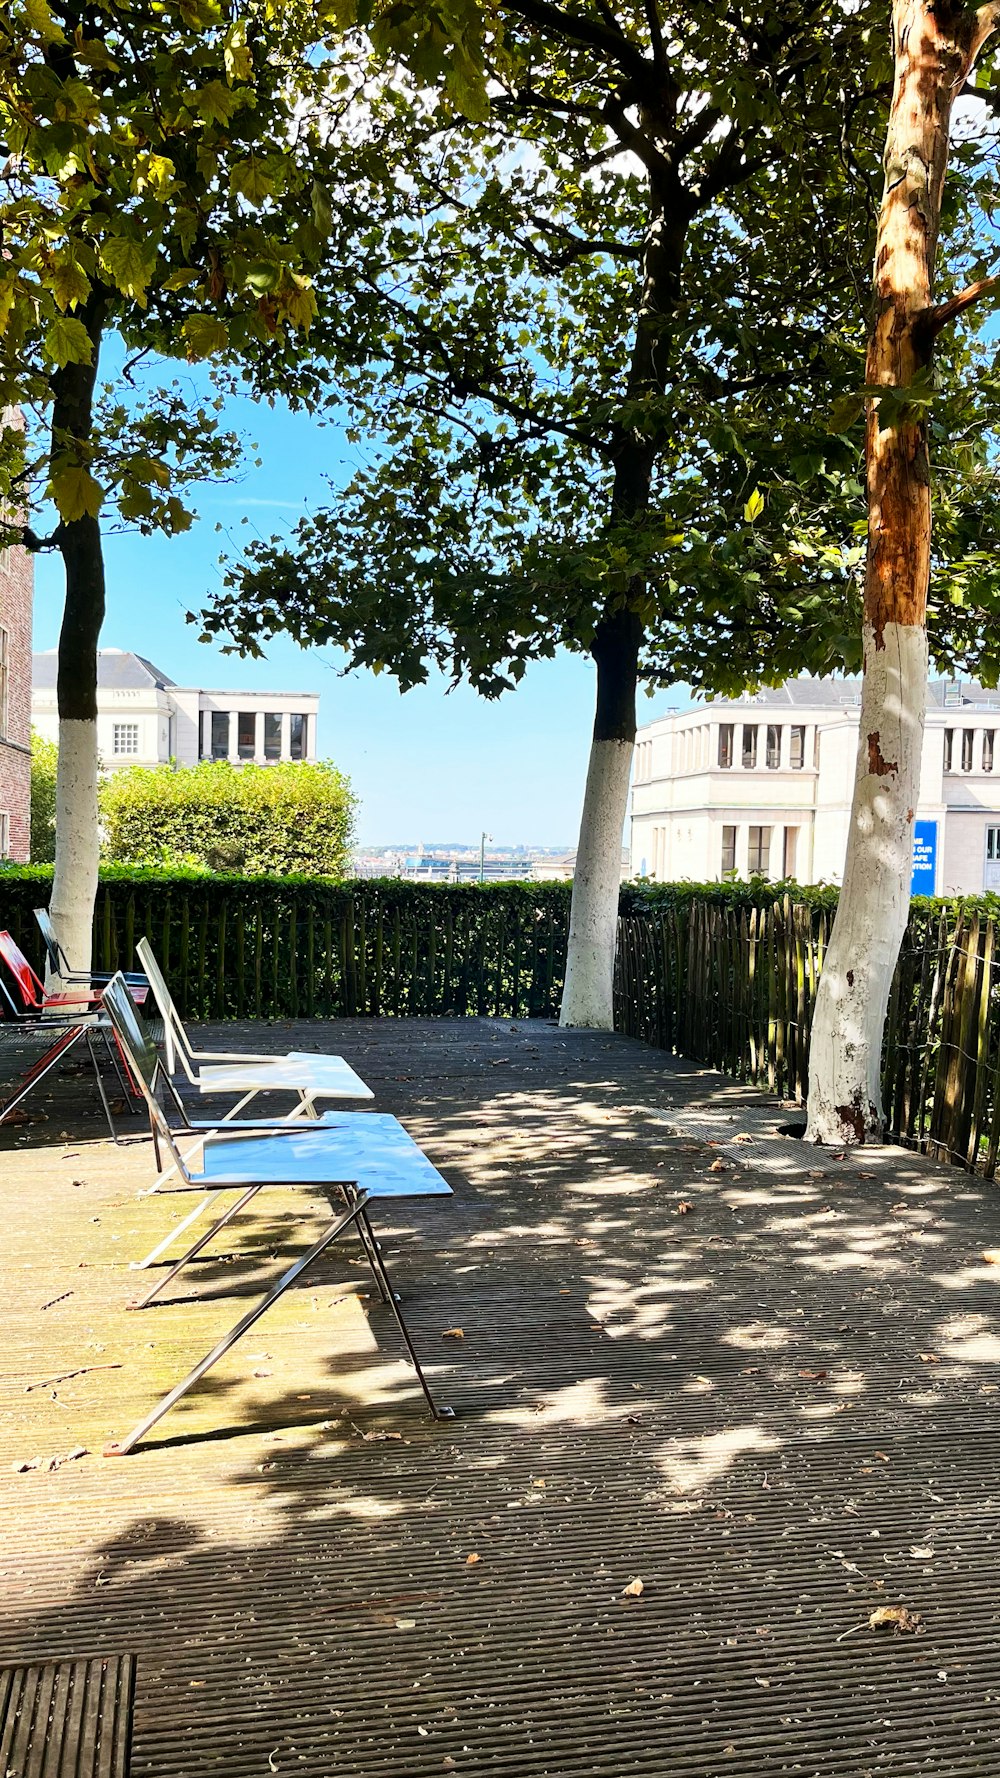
x=250, y=820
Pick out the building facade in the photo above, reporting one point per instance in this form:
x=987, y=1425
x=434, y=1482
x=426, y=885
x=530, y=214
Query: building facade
x=17, y=579
x=762, y=785
x=144, y=719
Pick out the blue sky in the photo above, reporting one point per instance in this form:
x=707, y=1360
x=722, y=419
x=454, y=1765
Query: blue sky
x=430, y=765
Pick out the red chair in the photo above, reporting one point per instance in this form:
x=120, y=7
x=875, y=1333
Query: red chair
x=76, y=1016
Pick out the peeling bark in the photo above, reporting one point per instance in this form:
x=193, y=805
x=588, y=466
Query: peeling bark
x=934, y=49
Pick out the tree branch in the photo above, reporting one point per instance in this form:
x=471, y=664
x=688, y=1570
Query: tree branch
x=573, y=27
x=933, y=320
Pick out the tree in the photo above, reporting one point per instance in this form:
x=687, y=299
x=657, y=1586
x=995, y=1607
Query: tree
x=44, y=761
x=152, y=192
x=249, y=819
x=582, y=325
x=935, y=49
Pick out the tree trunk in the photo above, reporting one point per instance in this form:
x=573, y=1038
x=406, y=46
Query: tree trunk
x=74, y=882
x=933, y=50
x=588, y=998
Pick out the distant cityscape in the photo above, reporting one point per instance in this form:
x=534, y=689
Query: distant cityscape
x=442, y=861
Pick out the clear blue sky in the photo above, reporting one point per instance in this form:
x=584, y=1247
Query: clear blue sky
x=433, y=765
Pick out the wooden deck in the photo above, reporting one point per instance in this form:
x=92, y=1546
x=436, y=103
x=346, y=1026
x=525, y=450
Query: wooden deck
x=761, y=1382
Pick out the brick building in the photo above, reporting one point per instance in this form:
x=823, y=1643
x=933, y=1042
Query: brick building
x=17, y=579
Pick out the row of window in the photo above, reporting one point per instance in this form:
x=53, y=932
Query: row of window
x=246, y=735
x=749, y=744
x=960, y=749
x=125, y=735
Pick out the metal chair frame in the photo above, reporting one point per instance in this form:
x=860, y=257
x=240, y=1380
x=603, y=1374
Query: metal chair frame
x=145, y=1064
x=59, y=963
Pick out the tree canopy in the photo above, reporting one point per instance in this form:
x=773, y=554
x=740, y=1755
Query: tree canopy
x=486, y=284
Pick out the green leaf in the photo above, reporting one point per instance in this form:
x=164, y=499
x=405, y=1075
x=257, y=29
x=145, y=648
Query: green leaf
x=41, y=21
x=67, y=342
x=205, y=334
x=129, y=265
x=256, y=178
x=216, y=103
x=69, y=284
x=75, y=493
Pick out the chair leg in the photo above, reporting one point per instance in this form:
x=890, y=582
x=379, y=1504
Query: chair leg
x=202, y=1241
x=116, y=1139
x=121, y=1447
x=43, y=1066
x=381, y=1274
x=179, y=1228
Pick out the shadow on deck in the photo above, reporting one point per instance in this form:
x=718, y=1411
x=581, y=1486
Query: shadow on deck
x=766, y=1388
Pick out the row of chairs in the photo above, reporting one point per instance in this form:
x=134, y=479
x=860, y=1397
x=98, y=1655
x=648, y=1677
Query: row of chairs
x=351, y=1158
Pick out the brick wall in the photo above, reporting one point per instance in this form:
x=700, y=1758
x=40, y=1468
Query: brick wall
x=17, y=575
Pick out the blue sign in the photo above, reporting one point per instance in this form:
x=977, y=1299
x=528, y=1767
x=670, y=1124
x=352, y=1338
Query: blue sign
x=924, y=878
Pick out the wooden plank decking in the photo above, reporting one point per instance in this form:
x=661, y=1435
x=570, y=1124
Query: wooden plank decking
x=777, y=1408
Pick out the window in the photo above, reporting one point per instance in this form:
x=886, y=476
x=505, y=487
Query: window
x=725, y=745
x=297, y=737
x=759, y=858
x=798, y=749
x=272, y=737
x=4, y=680
x=952, y=694
x=749, y=748
x=988, y=734
x=246, y=734
x=993, y=845
x=220, y=734
x=967, y=738
x=728, y=850
x=4, y=834
x=773, y=747
x=791, y=849
x=949, y=740
x=125, y=737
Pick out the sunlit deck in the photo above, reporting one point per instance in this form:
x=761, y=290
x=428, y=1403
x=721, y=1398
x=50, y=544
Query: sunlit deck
x=768, y=1389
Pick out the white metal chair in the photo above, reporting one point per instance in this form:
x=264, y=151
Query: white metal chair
x=312, y=1077
x=309, y=1077
x=365, y=1156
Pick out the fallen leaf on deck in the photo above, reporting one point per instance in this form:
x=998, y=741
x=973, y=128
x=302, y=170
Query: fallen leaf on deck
x=766, y=1683
x=453, y=1333
x=896, y=1617
x=814, y=1376
x=539, y=1482
x=473, y=1558
x=921, y=1552
x=992, y=1256
x=635, y=1589
x=743, y=1137
x=928, y=1358
x=684, y=1207
x=719, y=1167
x=406, y=1623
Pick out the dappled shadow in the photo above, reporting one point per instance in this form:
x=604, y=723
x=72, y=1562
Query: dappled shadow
x=760, y=1394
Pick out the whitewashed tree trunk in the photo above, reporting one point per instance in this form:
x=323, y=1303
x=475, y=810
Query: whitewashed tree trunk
x=845, y=1101
x=74, y=881
x=590, y=966
x=934, y=49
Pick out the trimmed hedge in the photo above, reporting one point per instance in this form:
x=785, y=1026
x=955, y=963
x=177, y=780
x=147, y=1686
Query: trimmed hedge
x=295, y=946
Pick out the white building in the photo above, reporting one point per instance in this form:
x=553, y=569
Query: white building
x=144, y=719
x=763, y=785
